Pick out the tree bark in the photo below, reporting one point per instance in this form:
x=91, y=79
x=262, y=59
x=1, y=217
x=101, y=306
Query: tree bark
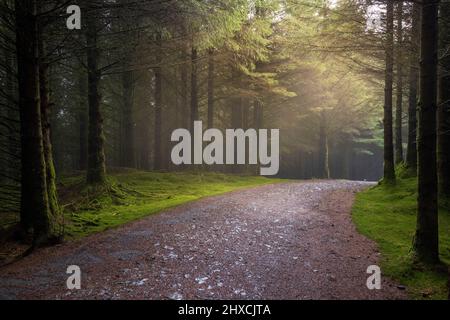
x=96, y=170
x=194, y=88
x=211, y=88
x=399, y=100
x=411, y=153
x=82, y=121
x=11, y=114
x=389, y=171
x=324, y=167
x=34, y=211
x=426, y=242
x=236, y=105
x=184, y=87
x=444, y=105
x=158, y=111
x=55, y=233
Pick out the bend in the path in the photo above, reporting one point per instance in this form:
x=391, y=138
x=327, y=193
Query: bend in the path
x=282, y=241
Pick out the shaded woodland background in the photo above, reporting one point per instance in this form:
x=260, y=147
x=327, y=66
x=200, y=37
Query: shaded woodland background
x=233, y=64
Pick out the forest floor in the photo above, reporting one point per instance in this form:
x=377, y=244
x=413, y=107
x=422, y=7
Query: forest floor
x=281, y=241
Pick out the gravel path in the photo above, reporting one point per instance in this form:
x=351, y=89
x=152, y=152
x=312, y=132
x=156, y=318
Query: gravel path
x=283, y=241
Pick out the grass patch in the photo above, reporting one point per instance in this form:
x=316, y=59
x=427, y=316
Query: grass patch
x=387, y=214
x=130, y=195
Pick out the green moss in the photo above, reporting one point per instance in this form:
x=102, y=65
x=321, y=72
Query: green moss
x=387, y=214
x=404, y=172
x=130, y=195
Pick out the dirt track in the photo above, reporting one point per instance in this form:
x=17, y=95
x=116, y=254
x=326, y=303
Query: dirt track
x=284, y=241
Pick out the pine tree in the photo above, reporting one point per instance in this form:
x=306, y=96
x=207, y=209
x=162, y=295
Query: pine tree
x=399, y=99
x=411, y=152
x=426, y=243
x=389, y=171
x=96, y=167
x=444, y=104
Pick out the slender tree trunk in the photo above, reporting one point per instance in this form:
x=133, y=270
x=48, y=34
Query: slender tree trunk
x=34, y=211
x=257, y=121
x=324, y=167
x=257, y=103
x=426, y=242
x=236, y=116
x=82, y=121
x=236, y=105
x=194, y=88
x=11, y=114
x=399, y=102
x=184, y=89
x=411, y=153
x=444, y=105
x=158, y=112
x=246, y=125
x=96, y=170
x=236, y=119
x=211, y=89
x=389, y=172
x=245, y=114
x=128, y=152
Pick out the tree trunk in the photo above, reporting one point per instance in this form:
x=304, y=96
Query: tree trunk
x=82, y=121
x=411, y=153
x=246, y=114
x=184, y=89
x=56, y=219
x=257, y=103
x=236, y=106
x=399, y=102
x=96, y=170
x=211, y=89
x=158, y=111
x=257, y=121
x=444, y=105
x=324, y=167
x=194, y=88
x=11, y=114
x=389, y=171
x=128, y=153
x=237, y=114
x=426, y=243
x=34, y=211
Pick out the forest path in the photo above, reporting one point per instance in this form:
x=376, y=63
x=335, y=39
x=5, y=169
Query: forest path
x=282, y=241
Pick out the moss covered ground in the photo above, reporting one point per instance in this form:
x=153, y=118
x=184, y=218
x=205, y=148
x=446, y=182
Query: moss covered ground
x=387, y=214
